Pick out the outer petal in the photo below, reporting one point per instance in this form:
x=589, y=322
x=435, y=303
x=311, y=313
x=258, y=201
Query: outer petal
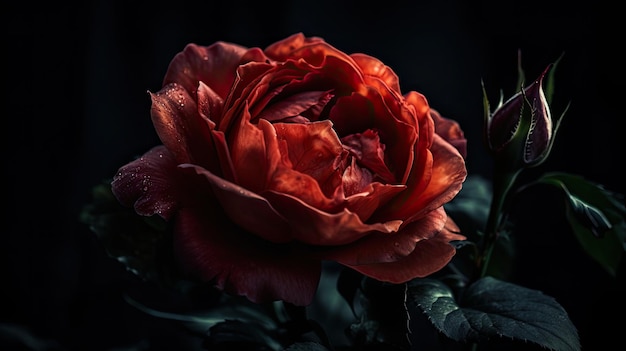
x=428, y=257
x=315, y=227
x=418, y=250
x=214, y=65
x=249, y=210
x=448, y=174
x=149, y=183
x=312, y=49
x=181, y=128
x=216, y=250
x=451, y=131
x=333, y=64
x=378, y=248
x=374, y=68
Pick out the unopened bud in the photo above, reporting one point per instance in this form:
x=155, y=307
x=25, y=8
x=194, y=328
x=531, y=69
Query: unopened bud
x=520, y=131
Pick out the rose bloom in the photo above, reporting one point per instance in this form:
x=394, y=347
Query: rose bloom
x=276, y=160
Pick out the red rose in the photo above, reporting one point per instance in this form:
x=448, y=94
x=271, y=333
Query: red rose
x=276, y=160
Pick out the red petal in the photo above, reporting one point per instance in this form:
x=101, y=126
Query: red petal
x=448, y=175
x=451, y=131
x=251, y=84
x=249, y=156
x=214, y=65
x=249, y=210
x=369, y=152
x=293, y=105
x=315, y=227
x=216, y=250
x=210, y=105
x=356, y=113
x=431, y=187
x=315, y=156
x=149, y=184
x=180, y=127
x=377, y=72
x=429, y=256
x=417, y=250
x=312, y=49
x=371, y=198
x=224, y=167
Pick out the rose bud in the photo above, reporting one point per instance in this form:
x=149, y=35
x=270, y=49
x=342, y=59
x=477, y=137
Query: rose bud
x=276, y=160
x=520, y=131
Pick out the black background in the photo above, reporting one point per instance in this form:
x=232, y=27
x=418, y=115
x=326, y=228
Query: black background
x=77, y=109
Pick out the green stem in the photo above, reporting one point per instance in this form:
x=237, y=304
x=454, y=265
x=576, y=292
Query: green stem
x=502, y=182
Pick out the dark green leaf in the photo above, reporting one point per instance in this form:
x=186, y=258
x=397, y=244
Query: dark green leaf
x=596, y=216
x=493, y=308
x=140, y=243
x=470, y=208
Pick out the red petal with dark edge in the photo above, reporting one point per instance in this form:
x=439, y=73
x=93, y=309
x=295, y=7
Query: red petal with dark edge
x=149, y=183
x=312, y=49
x=377, y=73
x=419, y=249
x=214, y=249
x=180, y=126
x=451, y=131
x=215, y=65
x=249, y=210
x=428, y=257
x=315, y=227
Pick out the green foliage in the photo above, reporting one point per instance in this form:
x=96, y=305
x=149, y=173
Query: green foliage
x=490, y=308
x=470, y=208
x=596, y=215
x=135, y=241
